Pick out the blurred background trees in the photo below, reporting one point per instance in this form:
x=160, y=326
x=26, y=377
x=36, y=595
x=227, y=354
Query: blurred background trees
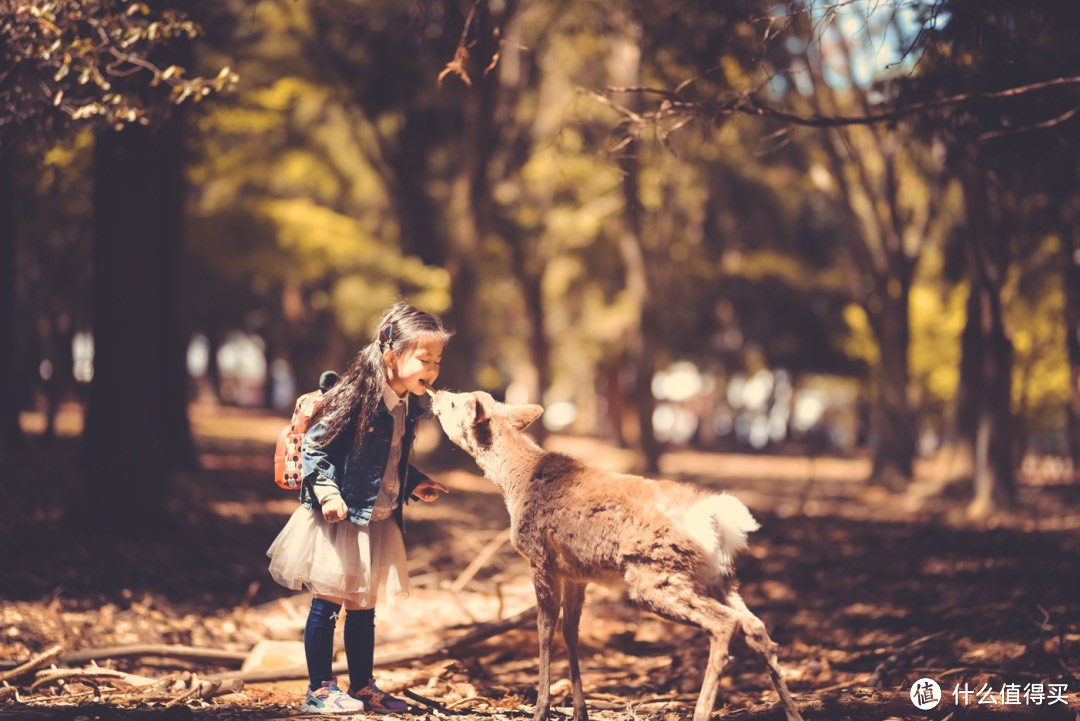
x=670, y=225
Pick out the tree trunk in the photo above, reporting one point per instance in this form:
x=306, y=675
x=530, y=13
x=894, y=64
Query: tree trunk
x=639, y=352
x=469, y=222
x=463, y=263
x=214, y=339
x=969, y=391
x=180, y=452
x=894, y=422
x=987, y=253
x=300, y=337
x=1071, y=240
x=611, y=374
x=270, y=353
x=133, y=416
x=624, y=69
x=10, y=431
x=995, y=485
x=532, y=293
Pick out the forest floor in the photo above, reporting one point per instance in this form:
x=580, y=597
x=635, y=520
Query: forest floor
x=864, y=591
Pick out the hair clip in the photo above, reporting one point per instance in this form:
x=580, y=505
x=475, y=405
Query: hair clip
x=386, y=333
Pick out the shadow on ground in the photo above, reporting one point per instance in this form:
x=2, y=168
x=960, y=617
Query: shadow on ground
x=852, y=590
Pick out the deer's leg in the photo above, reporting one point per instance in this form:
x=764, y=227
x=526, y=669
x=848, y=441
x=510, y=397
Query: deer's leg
x=573, y=598
x=757, y=638
x=548, y=590
x=674, y=597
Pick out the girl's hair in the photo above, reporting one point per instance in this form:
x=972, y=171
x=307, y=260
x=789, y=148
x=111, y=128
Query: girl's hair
x=358, y=394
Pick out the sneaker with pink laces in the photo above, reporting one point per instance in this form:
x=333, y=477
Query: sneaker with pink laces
x=330, y=699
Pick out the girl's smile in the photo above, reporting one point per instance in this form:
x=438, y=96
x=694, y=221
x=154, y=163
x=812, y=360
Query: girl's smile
x=415, y=370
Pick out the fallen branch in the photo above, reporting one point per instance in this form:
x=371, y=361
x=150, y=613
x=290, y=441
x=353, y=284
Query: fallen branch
x=883, y=667
x=34, y=662
x=187, y=653
x=425, y=701
x=486, y=553
x=462, y=701
x=46, y=677
x=445, y=649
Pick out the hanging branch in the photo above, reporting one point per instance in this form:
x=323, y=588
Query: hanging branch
x=675, y=106
x=481, y=37
x=93, y=59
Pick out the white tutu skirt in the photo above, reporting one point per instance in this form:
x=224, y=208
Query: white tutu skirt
x=363, y=565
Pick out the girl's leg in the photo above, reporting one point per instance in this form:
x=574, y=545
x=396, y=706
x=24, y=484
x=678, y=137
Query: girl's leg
x=319, y=639
x=360, y=650
x=359, y=645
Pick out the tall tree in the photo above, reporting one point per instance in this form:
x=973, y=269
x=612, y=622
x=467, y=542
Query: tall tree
x=77, y=61
x=889, y=190
x=624, y=67
x=1019, y=168
x=1071, y=272
x=136, y=393
x=10, y=431
x=430, y=130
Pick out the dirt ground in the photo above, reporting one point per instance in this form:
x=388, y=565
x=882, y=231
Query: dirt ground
x=865, y=592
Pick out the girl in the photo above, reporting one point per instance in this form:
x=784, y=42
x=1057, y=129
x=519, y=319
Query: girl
x=355, y=469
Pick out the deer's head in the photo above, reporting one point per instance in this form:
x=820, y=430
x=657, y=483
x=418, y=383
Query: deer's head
x=474, y=420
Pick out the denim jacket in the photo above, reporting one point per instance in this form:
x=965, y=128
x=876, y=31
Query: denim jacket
x=358, y=472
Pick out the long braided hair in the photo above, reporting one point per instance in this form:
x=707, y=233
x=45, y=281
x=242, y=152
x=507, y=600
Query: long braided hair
x=358, y=394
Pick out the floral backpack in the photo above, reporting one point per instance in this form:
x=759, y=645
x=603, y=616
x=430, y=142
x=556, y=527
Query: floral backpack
x=287, y=466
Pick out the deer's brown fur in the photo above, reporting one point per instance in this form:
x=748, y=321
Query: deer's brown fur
x=671, y=544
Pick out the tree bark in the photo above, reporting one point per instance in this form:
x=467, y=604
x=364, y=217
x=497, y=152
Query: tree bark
x=10, y=431
x=470, y=220
x=531, y=279
x=1071, y=269
x=180, y=451
x=625, y=71
x=894, y=446
x=134, y=414
x=881, y=271
x=987, y=253
x=968, y=392
x=58, y=351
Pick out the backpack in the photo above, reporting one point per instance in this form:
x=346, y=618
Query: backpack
x=287, y=466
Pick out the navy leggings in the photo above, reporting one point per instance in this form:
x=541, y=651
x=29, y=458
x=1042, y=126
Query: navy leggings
x=319, y=643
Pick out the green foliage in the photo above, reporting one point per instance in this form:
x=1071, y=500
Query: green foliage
x=1036, y=314
x=79, y=60
x=288, y=202
x=324, y=187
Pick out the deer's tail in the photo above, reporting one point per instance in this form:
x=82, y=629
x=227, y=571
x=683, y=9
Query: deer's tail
x=719, y=524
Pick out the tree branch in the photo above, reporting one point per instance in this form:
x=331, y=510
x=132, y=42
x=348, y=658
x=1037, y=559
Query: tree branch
x=748, y=103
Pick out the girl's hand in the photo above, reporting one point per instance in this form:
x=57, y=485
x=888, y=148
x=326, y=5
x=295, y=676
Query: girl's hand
x=335, y=510
x=429, y=490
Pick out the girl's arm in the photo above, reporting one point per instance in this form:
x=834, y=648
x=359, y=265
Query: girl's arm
x=413, y=478
x=420, y=487
x=316, y=466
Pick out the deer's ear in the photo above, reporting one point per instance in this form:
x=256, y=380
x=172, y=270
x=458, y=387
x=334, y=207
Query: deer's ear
x=521, y=417
x=478, y=409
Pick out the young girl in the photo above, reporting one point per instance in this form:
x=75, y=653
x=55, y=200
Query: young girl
x=344, y=542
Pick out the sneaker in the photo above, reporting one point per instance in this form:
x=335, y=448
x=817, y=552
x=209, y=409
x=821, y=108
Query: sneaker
x=378, y=701
x=328, y=698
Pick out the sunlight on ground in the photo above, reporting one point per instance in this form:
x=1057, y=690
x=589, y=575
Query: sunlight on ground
x=784, y=485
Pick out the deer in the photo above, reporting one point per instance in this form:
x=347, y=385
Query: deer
x=671, y=544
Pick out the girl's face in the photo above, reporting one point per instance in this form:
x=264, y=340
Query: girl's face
x=414, y=370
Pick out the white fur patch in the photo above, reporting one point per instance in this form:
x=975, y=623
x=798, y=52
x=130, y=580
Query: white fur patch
x=719, y=524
